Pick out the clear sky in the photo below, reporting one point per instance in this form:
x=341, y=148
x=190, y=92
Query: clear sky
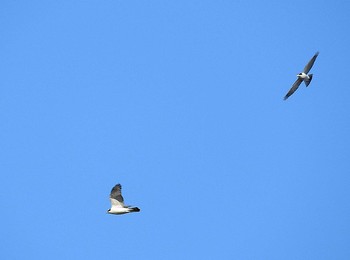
x=182, y=103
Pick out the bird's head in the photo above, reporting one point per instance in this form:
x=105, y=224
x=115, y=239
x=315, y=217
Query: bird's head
x=108, y=211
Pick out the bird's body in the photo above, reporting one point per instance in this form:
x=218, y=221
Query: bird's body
x=117, y=202
x=120, y=211
x=303, y=76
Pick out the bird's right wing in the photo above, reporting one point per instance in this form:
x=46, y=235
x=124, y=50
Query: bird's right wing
x=310, y=63
x=293, y=88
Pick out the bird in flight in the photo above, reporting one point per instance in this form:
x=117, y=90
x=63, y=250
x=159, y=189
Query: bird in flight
x=117, y=202
x=303, y=76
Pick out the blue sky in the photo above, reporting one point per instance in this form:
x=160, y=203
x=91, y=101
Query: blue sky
x=182, y=103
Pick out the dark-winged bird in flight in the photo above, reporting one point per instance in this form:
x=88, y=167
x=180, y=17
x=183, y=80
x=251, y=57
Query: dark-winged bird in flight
x=303, y=76
x=117, y=202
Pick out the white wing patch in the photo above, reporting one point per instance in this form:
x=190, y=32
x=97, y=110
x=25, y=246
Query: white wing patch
x=116, y=204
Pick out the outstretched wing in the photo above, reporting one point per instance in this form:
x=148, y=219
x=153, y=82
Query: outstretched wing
x=293, y=88
x=310, y=63
x=116, y=197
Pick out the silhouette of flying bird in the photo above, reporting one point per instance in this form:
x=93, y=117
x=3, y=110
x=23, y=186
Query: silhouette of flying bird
x=303, y=76
x=117, y=202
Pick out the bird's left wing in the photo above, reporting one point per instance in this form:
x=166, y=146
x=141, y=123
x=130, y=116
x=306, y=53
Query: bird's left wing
x=310, y=63
x=116, y=197
x=293, y=88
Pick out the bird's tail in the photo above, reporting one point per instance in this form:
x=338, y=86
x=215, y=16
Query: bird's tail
x=308, y=80
x=134, y=209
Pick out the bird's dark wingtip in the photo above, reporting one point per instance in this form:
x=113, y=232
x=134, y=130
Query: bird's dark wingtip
x=135, y=209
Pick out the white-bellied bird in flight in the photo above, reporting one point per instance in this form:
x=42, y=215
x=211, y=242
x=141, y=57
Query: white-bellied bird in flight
x=117, y=202
x=303, y=76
